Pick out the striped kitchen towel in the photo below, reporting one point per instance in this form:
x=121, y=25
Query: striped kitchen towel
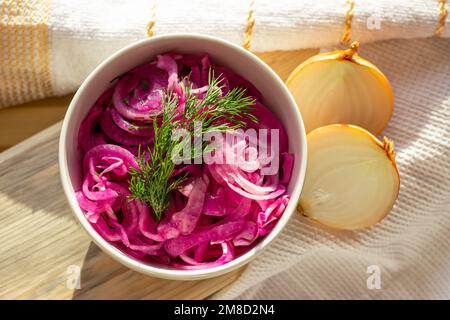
x=49, y=46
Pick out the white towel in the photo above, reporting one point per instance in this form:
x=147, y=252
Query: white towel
x=49, y=47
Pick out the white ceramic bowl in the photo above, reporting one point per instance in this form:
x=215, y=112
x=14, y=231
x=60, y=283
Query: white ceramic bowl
x=276, y=97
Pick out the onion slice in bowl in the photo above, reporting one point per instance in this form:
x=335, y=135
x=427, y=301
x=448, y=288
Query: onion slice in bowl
x=124, y=124
x=219, y=233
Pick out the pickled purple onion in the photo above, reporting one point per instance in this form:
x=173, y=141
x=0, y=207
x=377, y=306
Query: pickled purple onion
x=217, y=213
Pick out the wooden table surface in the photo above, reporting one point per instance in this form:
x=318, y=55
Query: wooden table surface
x=42, y=248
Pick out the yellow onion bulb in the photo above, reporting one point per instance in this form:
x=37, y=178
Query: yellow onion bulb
x=351, y=180
x=341, y=87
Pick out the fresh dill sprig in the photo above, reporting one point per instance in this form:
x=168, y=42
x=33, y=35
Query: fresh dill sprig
x=153, y=183
x=216, y=112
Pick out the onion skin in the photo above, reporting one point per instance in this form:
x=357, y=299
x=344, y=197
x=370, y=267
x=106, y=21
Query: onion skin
x=332, y=200
x=319, y=102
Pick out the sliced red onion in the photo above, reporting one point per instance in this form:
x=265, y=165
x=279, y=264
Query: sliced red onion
x=271, y=213
x=147, y=248
x=278, y=192
x=206, y=64
x=119, y=135
x=167, y=231
x=93, y=140
x=105, y=231
x=186, y=219
x=152, y=82
x=116, y=166
x=215, y=205
x=120, y=231
x=287, y=167
x=227, y=256
x=267, y=120
x=236, y=81
x=92, y=208
x=167, y=63
x=144, y=130
x=221, y=175
x=85, y=132
x=192, y=169
x=222, y=232
x=247, y=236
x=103, y=193
x=253, y=188
x=121, y=94
x=200, y=251
x=195, y=76
x=147, y=226
x=186, y=187
x=110, y=150
x=130, y=217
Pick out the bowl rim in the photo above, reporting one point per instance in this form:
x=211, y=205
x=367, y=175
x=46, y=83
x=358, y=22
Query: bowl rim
x=162, y=272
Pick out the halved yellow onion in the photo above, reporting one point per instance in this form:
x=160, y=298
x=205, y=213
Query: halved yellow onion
x=341, y=87
x=352, y=180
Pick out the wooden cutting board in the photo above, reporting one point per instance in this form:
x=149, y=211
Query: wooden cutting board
x=43, y=249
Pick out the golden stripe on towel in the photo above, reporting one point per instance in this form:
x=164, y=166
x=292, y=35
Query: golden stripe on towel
x=249, y=26
x=442, y=16
x=25, y=51
x=348, y=21
x=151, y=23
